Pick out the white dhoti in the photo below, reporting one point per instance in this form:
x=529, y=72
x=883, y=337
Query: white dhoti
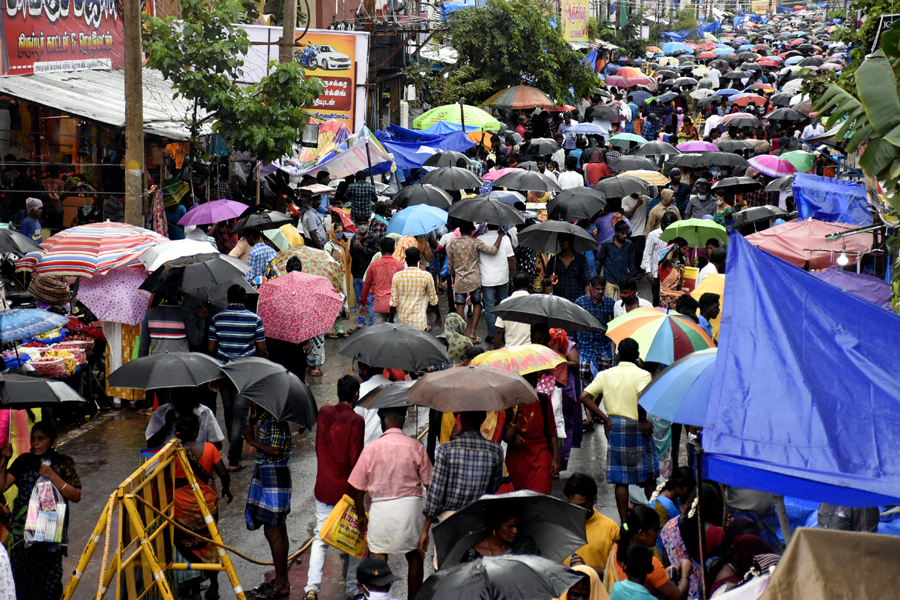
x=395, y=525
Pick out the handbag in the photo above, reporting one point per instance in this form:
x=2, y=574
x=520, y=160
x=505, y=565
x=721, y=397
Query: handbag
x=341, y=529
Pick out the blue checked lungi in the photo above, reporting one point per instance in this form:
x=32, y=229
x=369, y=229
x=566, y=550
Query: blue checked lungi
x=630, y=455
x=269, y=500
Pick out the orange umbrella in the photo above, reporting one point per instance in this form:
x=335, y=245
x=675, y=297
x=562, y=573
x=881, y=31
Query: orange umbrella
x=628, y=72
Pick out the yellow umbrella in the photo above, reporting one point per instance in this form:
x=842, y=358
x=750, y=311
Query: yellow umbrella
x=712, y=284
x=651, y=177
x=668, y=61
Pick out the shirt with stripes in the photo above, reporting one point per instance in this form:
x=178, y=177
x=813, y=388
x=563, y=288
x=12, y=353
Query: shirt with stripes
x=237, y=330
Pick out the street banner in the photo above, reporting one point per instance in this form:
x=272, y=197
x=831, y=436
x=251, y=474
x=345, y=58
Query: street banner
x=575, y=20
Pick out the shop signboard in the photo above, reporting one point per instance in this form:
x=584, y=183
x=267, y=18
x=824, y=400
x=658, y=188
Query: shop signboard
x=761, y=7
x=575, y=20
x=45, y=36
x=339, y=59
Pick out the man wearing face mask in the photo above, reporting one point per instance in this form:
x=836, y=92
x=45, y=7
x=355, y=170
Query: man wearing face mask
x=701, y=203
x=375, y=579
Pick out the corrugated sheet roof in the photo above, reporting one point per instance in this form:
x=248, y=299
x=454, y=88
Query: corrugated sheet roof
x=100, y=96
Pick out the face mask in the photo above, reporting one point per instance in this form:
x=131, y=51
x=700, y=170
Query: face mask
x=339, y=235
x=718, y=203
x=701, y=196
x=373, y=595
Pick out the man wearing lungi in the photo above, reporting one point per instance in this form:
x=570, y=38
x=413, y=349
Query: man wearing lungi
x=393, y=469
x=269, y=500
x=630, y=451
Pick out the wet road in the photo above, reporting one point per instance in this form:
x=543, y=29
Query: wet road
x=107, y=450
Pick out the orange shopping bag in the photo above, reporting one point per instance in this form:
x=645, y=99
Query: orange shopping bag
x=341, y=530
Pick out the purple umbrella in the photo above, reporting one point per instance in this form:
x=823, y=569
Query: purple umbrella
x=865, y=286
x=696, y=146
x=213, y=212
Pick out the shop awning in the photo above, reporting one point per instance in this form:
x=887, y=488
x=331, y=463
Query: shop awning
x=100, y=96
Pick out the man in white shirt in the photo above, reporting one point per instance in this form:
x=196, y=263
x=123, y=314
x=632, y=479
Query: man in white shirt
x=370, y=379
x=716, y=264
x=559, y=157
x=629, y=298
x=654, y=245
x=571, y=178
x=714, y=75
x=812, y=130
x=495, y=270
x=513, y=333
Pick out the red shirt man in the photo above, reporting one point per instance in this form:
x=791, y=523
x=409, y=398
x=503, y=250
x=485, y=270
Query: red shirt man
x=378, y=280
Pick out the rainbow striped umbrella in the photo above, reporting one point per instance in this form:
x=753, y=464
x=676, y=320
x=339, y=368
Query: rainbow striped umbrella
x=518, y=97
x=662, y=337
x=89, y=250
x=524, y=359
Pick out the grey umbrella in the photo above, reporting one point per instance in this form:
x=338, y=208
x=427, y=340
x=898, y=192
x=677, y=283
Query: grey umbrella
x=486, y=210
x=736, y=185
x=392, y=395
x=554, y=526
x=447, y=158
x=273, y=388
x=623, y=185
x=783, y=184
x=555, y=311
x=527, y=181
x=540, y=146
x=633, y=163
x=544, y=237
x=166, y=370
x=508, y=577
x=395, y=346
x=757, y=214
x=24, y=391
x=576, y=204
x=422, y=194
x=452, y=178
x=654, y=148
x=16, y=243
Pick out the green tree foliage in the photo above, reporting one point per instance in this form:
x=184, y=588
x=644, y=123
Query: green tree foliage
x=506, y=43
x=685, y=18
x=202, y=56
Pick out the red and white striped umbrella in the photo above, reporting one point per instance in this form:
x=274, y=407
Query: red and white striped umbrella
x=89, y=250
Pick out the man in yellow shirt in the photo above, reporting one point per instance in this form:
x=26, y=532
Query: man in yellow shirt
x=602, y=532
x=630, y=451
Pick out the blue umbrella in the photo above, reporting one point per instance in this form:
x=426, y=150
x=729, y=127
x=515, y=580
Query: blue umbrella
x=727, y=92
x=794, y=60
x=417, y=220
x=681, y=392
x=507, y=196
x=673, y=47
x=21, y=323
x=639, y=97
x=588, y=129
x=723, y=51
x=746, y=47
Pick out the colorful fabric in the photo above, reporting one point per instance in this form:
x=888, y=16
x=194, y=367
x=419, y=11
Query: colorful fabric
x=528, y=460
x=314, y=261
x=412, y=289
x=297, y=306
x=524, y=359
x=168, y=328
x=158, y=221
x=116, y=296
x=20, y=323
x=269, y=499
x=237, y=330
x=630, y=455
x=50, y=290
x=454, y=335
x=662, y=337
x=7, y=583
x=120, y=340
x=465, y=468
x=670, y=535
x=276, y=434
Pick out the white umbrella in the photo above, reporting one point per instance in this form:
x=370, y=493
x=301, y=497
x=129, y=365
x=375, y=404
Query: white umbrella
x=185, y=252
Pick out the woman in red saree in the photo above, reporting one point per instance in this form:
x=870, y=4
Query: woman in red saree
x=532, y=458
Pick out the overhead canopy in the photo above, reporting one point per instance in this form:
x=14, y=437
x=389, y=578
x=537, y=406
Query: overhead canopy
x=100, y=96
x=803, y=241
x=805, y=396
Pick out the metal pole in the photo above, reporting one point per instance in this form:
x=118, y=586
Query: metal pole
x=369, y=160
x=134, y=115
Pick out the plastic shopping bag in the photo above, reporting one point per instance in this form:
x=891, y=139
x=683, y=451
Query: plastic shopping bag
x=46, y=516
x=341, y=530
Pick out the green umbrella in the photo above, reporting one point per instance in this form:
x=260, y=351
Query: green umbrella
x=620, y=138
x=451, y=113
x=801, y=159
x=696, y=232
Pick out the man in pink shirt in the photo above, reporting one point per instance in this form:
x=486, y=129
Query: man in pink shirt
x=393, y=469
x=378, y=280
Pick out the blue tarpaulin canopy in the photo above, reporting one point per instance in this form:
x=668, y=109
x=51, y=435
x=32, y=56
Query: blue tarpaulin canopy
x=806, y=398
x=831, y=200
x=411, y=149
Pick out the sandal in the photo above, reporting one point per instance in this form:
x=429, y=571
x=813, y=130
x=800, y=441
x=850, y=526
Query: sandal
x=332, y=336
x=311, y=595
x=268, y=592
x=147, y=412
x=317, y=372
x=235, y=468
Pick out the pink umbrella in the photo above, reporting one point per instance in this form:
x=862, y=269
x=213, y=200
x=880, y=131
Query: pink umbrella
x=213, y=212
x=696, y=146
x=494, y=175
x=115, y=297
x=736, y=115
x=296, y=307
x=616, y=81
x=772, y=166
x=799, y=242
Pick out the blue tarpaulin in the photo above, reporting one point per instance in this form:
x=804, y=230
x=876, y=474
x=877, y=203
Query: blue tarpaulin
x=411, y=149
x=806, y=398
x=831, y=200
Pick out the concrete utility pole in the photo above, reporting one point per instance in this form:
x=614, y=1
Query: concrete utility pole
x=134, y=115
x=286, y=53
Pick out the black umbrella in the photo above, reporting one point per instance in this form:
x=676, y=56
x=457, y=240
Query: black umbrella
x=270, y=219
x=667, y=97
x=554, y=526
x=273, y=388
x=783, y=184
x=452, y=178
x=757, y=214
x=166, y=370
x=207, y=281
x=654, y=148
x=528, y=165
x=540, y=147
x=781, y=98
x=685, y=82
x=576, y=204
x=555, y=311
x=24, y=391
x=633, y=163
x=527, y=181
x=544, y=237
x=719, y=63
x=709, y=100
x=602, y=112
x=736, y=185
x=422, y=194
x=746, y=56
x=751, y=67
x=785, y=114
x=666, y=72
x=510, y=577
x=392, y=395
x=733, y=145
x=486, y=210
x=623, y=185
x=16, y=243
x=722, y=159
x=447, y=158
x=742, y=122
x=737, y=75
x=395, y=346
